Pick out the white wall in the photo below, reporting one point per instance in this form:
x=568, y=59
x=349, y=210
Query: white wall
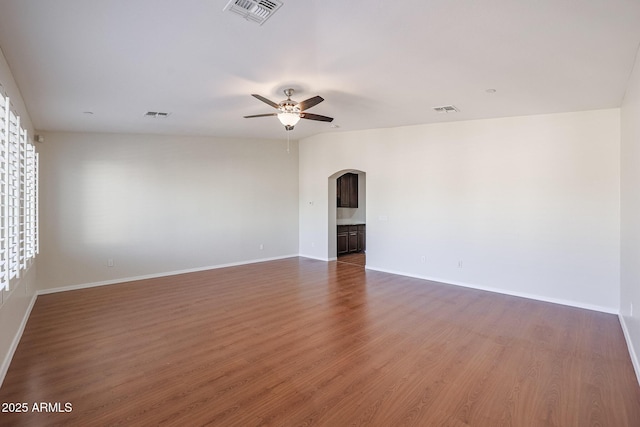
x=529, y=205
x=158, y=204
x=15, y=304
x=630, y=215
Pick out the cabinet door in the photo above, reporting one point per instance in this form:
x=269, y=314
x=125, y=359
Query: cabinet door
x=347, y=191
x=353, y=241
x=340, y=184
x=343, y=239
x=343, y=243
x=361, y=238
x=353, y=190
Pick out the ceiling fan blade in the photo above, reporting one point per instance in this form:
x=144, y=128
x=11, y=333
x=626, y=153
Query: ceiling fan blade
x=261, y=115
x=317, y=117
x=265, y=100
x=308, y=103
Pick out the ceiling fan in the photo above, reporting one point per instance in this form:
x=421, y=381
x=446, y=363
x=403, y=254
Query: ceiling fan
x=290, y=111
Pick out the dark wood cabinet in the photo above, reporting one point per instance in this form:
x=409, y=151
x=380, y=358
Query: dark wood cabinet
x=343, y=239
x=361, y=238
x=347, y=191
x=351, y=238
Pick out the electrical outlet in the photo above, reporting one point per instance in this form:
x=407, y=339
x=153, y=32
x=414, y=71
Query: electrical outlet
x=460, y=264
x=261, y=246
x=423, y=259
x=110, y=262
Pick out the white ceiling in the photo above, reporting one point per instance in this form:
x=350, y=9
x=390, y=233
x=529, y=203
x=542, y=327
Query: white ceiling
x=376, y=63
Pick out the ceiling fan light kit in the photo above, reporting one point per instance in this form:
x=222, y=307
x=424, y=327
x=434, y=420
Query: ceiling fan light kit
x=289, y=118
x=290, y=112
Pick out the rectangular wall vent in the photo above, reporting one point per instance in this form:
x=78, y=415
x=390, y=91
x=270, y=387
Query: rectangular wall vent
x=446, y=109
x=156, y=114
x=257, y=11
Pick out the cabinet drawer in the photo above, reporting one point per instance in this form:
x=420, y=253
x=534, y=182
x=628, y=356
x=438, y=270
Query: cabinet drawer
x=343, y=229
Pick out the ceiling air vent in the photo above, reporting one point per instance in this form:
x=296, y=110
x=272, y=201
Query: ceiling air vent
x=446, y=109
x=257, y=11
x=156, y=114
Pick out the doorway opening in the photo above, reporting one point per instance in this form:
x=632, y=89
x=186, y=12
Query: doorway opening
x=348, y=216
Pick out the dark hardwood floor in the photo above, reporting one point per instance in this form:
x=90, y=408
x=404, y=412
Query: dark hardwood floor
x=357, y=258
x=300, y=342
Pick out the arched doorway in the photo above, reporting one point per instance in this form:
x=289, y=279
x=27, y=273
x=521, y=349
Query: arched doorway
x=347, y=216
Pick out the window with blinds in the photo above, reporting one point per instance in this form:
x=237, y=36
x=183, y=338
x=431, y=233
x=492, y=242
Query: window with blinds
x=18, y=196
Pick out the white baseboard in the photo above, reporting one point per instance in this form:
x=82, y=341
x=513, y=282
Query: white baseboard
x=156, y=275
x=570, y=303
x=4, y=368
x=317, y=258
x=632, y=352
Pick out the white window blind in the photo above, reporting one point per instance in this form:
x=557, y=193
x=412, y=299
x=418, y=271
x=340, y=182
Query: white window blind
x=18, y=196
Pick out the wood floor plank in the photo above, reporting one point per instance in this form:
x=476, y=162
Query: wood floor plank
x=301, y=342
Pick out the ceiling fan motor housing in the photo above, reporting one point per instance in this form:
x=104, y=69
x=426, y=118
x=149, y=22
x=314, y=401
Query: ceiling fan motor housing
x=289, y=106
